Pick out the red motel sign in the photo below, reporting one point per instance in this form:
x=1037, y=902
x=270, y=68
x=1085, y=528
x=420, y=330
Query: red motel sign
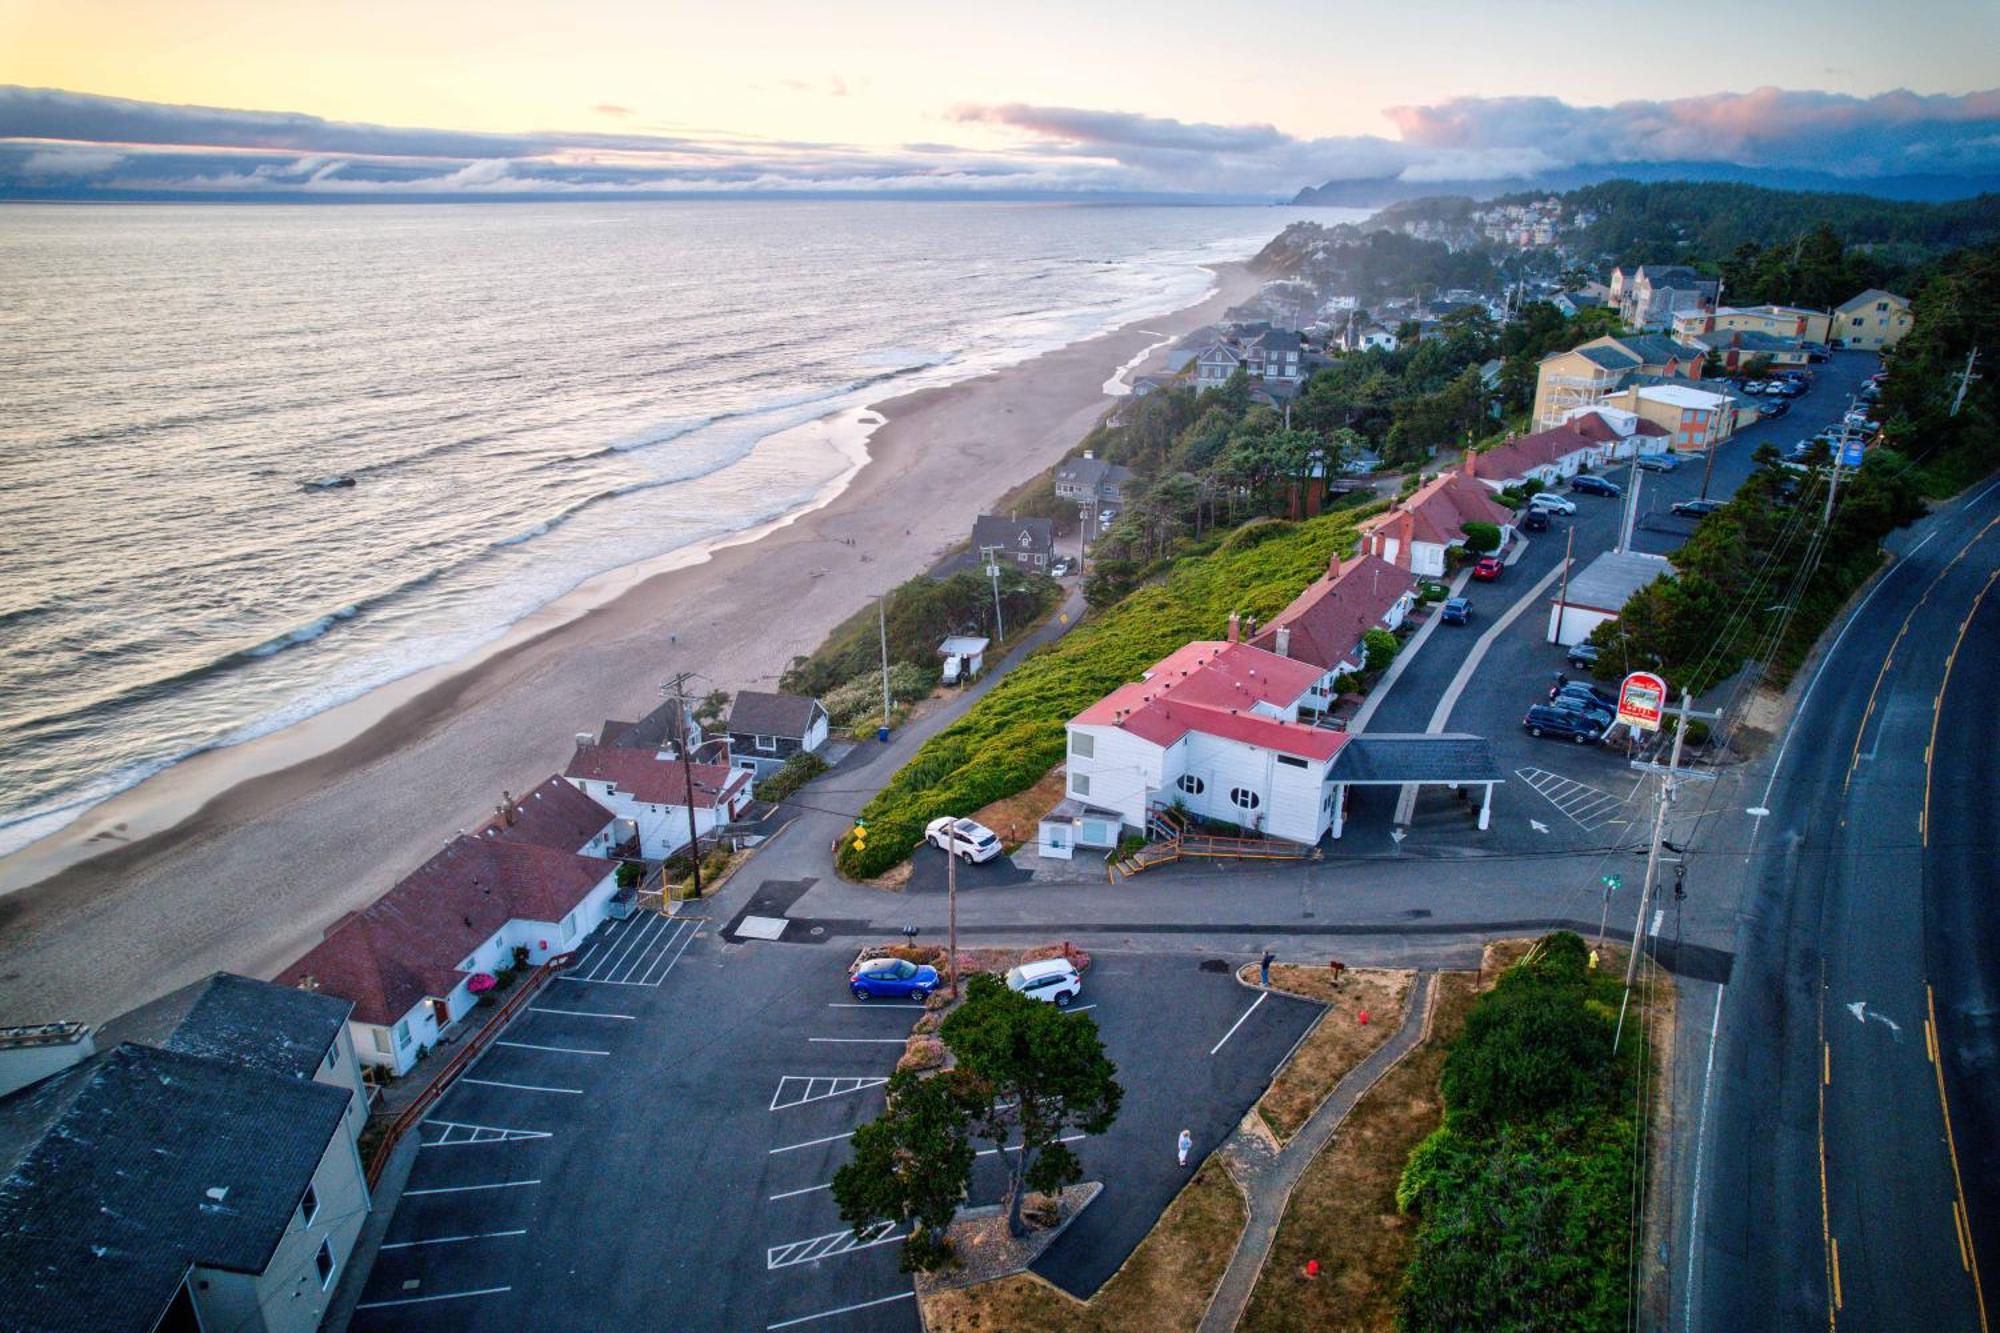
x=1641, y=700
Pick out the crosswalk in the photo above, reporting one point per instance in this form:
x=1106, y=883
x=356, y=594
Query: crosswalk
x=1585, y=806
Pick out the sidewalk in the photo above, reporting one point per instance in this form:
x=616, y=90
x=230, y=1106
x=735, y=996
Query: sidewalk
x=1269, y=1177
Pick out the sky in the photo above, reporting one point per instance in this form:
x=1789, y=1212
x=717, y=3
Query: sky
x=1168, y=97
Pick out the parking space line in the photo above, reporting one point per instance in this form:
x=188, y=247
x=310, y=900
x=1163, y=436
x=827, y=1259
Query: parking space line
x=468, y=1189
x=845, y=1309
x=786, y=1097
x=1585, y=806
x=519, y=1087
x=645, y=959
x=559, y=1050
x=810, y=1143
x=459, y=1134
x=875, y=1004
x=860, y=1041
x=646, y=932
x=1239, y=1022
x=649, y=979
x=678, y=952
x=994, y=1152
x=452, y=1240
x=441, y=1296
x=582, y=1013
x=1078, y=1008
x=793, y=1194
x=832, y=1243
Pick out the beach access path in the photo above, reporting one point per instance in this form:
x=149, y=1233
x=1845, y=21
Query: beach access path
x=241, y=858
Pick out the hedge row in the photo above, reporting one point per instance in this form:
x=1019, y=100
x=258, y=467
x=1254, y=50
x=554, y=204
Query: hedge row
x=1010, y=738
x=1524, y=1194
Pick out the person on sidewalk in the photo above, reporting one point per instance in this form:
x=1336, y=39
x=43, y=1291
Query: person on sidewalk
x=1264, y=967
x=1186, y=1146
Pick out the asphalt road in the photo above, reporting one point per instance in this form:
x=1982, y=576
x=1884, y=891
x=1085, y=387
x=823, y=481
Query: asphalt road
x=1838, y=1186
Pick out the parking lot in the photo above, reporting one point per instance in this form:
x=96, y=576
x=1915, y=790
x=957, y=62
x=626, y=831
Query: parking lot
x=655, y=1141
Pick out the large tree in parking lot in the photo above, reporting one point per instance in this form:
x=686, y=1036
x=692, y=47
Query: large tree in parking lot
x=1025, y=1075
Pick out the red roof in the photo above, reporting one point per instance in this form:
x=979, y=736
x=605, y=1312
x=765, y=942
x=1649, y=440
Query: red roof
x=1517, y=457
x=407, y=945
x=1211, y=688
x=554, y=814
x=1327, y=620
x=1440, y=509
x=651, y=779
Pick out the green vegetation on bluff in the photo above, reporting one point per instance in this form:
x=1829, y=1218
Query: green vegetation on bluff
x=1014, y=735
x=1524, y=1195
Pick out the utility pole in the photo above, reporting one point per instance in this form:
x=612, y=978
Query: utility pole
x=1562, y=596
x=882, y=624
x=1631, y=516
x=993, y=572
x=1965, y=378
x=951, y=916
x=1708, y=454
x=677, y=691
x=1084, y=517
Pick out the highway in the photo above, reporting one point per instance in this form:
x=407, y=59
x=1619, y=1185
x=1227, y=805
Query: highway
x=1853, y=1155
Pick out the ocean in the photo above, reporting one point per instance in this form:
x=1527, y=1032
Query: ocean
x=524, y=396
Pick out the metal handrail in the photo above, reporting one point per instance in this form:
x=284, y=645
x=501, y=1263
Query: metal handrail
x=414, y=1112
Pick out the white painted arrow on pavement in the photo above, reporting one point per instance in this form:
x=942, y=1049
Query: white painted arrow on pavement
x=1538, y=826
x=1862, y=1013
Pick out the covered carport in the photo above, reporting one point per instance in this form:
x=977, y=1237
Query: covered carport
x=1413, y=760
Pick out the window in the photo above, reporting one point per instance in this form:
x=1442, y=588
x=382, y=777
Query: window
x=309, y=1207
x=1083, y=745
x=1291, y=761
x=403, y=1034
x=330, y=1052
x=323, y=1261
x=1080, y=783
x=569, y=927
x=767, y=744
x=1881, y=305
x=381, y=1040
x=1244, y=799
x=1191, y=784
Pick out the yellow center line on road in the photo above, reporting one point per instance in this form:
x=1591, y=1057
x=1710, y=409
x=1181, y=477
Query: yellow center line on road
x=1826, y=1064
x=1837, y=1302
x=1960, y=1216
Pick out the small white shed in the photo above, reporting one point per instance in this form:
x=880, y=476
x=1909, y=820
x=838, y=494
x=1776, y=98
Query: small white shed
x=964, y=658
x=1599, y=592
x=1073, y=824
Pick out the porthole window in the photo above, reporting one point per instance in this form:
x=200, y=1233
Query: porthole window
x=1244, y=799
x=1191, y=784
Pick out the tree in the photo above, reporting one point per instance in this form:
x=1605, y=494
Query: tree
x=1481, y=538
x=714, y=706
x=1036, y=1073
x=911, y=1166
x=1381, y=648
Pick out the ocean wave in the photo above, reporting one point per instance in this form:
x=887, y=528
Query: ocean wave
x=305, y=633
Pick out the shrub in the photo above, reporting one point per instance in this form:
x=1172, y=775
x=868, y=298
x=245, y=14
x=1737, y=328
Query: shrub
x=800, y=769
x=629, y=874
x=1381, y=646
x=1481, y=538
x=1014, y=735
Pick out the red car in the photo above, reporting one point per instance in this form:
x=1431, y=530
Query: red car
x=1488, y=569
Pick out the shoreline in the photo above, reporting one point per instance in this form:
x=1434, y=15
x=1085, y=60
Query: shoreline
x=240, y=857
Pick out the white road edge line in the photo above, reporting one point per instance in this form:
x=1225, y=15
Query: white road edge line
x=559, y=1050
x=467, y=1189
x=451, y=1240
x=845, y=1309
x=442, y=1296
x=1239, y=1022
x=1700, y=1142
x=582, y=1013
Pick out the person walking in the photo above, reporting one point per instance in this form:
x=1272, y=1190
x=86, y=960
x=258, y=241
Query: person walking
x=1264, y=967
x=1186, y=1146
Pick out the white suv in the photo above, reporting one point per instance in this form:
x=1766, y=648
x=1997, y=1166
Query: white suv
x=1548, y=502
x=1053, y=981
x=967, y=839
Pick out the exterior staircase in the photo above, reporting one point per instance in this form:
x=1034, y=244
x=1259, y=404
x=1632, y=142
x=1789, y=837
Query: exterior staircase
x=1173, y=838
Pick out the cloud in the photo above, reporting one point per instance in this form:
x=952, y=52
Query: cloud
x=77, y=144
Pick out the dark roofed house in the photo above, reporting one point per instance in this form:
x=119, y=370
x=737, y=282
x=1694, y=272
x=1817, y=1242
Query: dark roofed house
x=1325, y=625
x=407, y=960
x=655, y=731
x=1091, y=480
x=766, y=730
x=199, y=1173
x=1029, y=543
x=560, y=815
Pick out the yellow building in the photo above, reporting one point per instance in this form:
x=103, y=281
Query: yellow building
x=1584, y=376
x=1778, y=321
x=1873, y=320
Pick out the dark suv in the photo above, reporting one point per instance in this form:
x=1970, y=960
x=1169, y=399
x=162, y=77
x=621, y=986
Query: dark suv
x=1545, y=721
x=1590, y=485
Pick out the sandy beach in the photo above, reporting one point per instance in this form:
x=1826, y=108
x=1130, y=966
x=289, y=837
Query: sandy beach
x=239, y=859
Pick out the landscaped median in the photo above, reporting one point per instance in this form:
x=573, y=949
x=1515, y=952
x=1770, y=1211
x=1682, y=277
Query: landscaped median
x=1014, y=735
x=1342, y=1038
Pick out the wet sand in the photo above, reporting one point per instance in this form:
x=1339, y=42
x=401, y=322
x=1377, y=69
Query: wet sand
x=239, y=859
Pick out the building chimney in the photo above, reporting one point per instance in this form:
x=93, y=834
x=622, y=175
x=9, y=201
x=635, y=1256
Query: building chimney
x=508, y=809
x=1333, y=566
x=1471, y=468
x=1235, y=627
x=1284, y=644
x=1088, y=454
x=585, y=738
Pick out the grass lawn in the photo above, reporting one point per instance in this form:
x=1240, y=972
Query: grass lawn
x=1337, y=1043
x=1165, y=1285
x=1343, y=1212
x=1017, y=818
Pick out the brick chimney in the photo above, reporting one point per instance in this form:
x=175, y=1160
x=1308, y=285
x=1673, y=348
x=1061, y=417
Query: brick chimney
x=1471, y=467
x=1235, y=627
x=1284, y=644
x=508, y=810
x=1333, y=566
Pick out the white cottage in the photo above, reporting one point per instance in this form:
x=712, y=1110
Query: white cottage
x=649, y=789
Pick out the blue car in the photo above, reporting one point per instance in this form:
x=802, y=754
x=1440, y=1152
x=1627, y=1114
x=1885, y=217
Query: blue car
x=892, y=979
x=1456, y=611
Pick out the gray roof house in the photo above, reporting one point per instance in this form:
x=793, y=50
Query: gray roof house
x=767, y=729
x=1029, y=543
x=210, y=1180
x=1090, y=478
